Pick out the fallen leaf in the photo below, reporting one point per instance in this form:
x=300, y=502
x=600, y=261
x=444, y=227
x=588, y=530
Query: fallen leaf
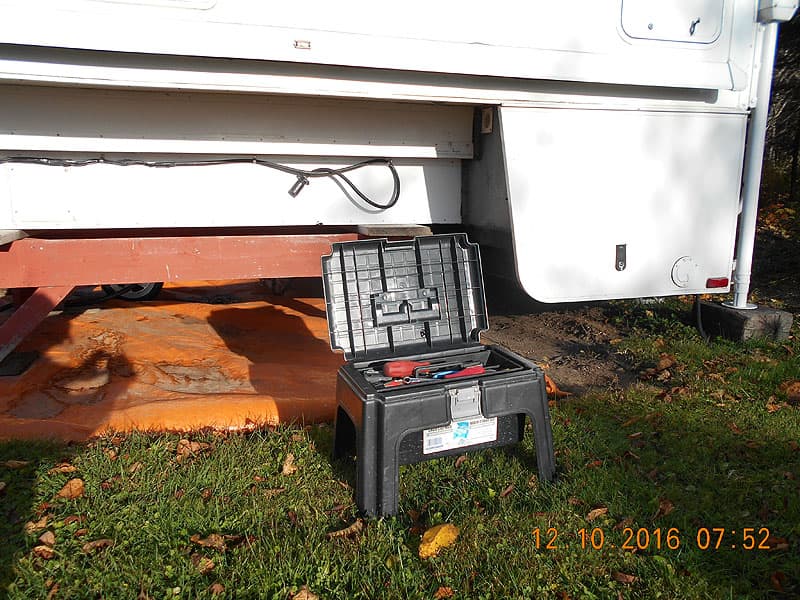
x=34, y=526
x=292, y=516
x=74, y=519
x=664, y=508
x=777, y=543
x=188, y=449
x=630, y=454
x=794, y=445
x=597, y=512
x=777, y=580
x=15, y=464
x=178, y=494
x=80, y=532
x=772, y=406
x=630, y=421
x=626, y=522
x=734, y=428
x=592, y=464
x=436, y=538
x=203, y=564
x=109, y=483
x=111, y=454
x=349, y=531
x=74, y=488
x=636, y=434
x=214, y=540
x=623, y=577
x=62, y=468
x=97, y=545
x=52, y=593
x=289, y=468
x=135, y=468
x=507, y=491
x=48, y=538
x=304, y=594
x=552, y=389
x=216, y=588
x=271, y=493
x=575, y=501
x=792, y=391
x=45, y=552
x=752, y=443
x=461, y=460
x=297, y=437
x=206, y=494
x=444, y=592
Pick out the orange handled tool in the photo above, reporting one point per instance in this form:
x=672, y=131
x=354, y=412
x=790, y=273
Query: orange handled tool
x=402, y=368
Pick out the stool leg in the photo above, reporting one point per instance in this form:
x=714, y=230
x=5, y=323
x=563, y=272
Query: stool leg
x=543, y=437
x=344, y=434
x=367, y=471
x=389, y=477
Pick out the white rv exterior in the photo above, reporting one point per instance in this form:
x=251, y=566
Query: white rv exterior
x=597, y=145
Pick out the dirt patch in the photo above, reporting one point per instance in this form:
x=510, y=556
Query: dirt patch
x=574, y=344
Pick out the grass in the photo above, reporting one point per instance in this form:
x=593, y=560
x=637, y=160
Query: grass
x=696, y=445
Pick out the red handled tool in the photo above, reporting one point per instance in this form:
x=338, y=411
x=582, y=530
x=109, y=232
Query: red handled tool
x=473, y=370
x=402, y=368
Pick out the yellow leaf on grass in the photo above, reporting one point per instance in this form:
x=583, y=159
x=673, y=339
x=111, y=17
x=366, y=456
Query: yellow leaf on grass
x=74, y=488
x=436, y=538
x=597, y=512
x=289, y=468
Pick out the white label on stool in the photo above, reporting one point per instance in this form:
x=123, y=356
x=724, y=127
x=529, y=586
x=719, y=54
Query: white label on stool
x=459, y=433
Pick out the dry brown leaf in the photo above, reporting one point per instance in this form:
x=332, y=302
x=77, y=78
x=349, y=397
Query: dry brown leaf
x=271, y=493
x=34, y=526
x=664, y=508
x=630, y=454
x=635, y=435
x=349, y=531
x=44, y=552
x=48, y=538
x=111, y=454
x=289, y=468
x=794, y=445
x=214, y=540
x=97, y=545
x=593, y=464
x=135, y=468
x=772, y=406
x=623, y=577
x=74, y=488
x=74, y=519
x=777, y=580
x=777, y=543
x=597, y=512
x=436, y=538
x=304, y=594
x=109, y=483
x=52, y=593
x=734, y=428
x=507, y=491
x=792, y=391
x=15, y=464
x=444, y=592
x=626, y=522
x=178, y=494
x=187, y=449
x=630, y=421
x=80, y=532
x=206, y=494
x=298, y=437
x=575, y=501
x=461, y=460
x=203, y=564
x=216, y=588
x=62, y=468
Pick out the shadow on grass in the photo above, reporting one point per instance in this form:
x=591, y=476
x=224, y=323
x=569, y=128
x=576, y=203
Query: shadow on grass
x=17, y=500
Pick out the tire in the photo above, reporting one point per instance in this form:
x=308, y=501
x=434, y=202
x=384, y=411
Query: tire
x=138, y=291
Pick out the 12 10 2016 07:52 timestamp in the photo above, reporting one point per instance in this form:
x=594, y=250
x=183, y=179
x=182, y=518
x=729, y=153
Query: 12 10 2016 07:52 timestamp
x=642, y=538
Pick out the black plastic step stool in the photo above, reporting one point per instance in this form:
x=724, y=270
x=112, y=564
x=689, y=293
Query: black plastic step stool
x=421, y=300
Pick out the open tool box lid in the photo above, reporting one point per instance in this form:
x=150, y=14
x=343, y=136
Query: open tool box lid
x=403, y=298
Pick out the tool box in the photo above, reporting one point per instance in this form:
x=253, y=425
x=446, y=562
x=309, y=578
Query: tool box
x=418, y=383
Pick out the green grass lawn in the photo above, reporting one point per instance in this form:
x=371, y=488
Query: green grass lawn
x=708, y=442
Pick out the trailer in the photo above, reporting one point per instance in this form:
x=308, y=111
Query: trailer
x=597, y=149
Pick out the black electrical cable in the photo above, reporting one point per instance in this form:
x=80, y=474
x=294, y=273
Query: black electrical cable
x=302, y=175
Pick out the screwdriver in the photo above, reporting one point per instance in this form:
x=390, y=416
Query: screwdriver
x=402, y=368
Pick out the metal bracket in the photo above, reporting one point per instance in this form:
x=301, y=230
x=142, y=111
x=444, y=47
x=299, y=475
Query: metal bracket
x=465, y=402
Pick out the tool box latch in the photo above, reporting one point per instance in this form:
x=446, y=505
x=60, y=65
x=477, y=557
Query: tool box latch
x=465, y=402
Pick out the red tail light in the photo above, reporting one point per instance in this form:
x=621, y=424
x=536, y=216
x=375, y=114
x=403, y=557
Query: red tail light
x=717, y=282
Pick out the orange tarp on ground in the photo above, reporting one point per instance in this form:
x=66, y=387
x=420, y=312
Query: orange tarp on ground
x=175, y=364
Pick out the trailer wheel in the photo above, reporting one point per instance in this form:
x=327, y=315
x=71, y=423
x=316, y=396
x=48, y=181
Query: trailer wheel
x=137, y=291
